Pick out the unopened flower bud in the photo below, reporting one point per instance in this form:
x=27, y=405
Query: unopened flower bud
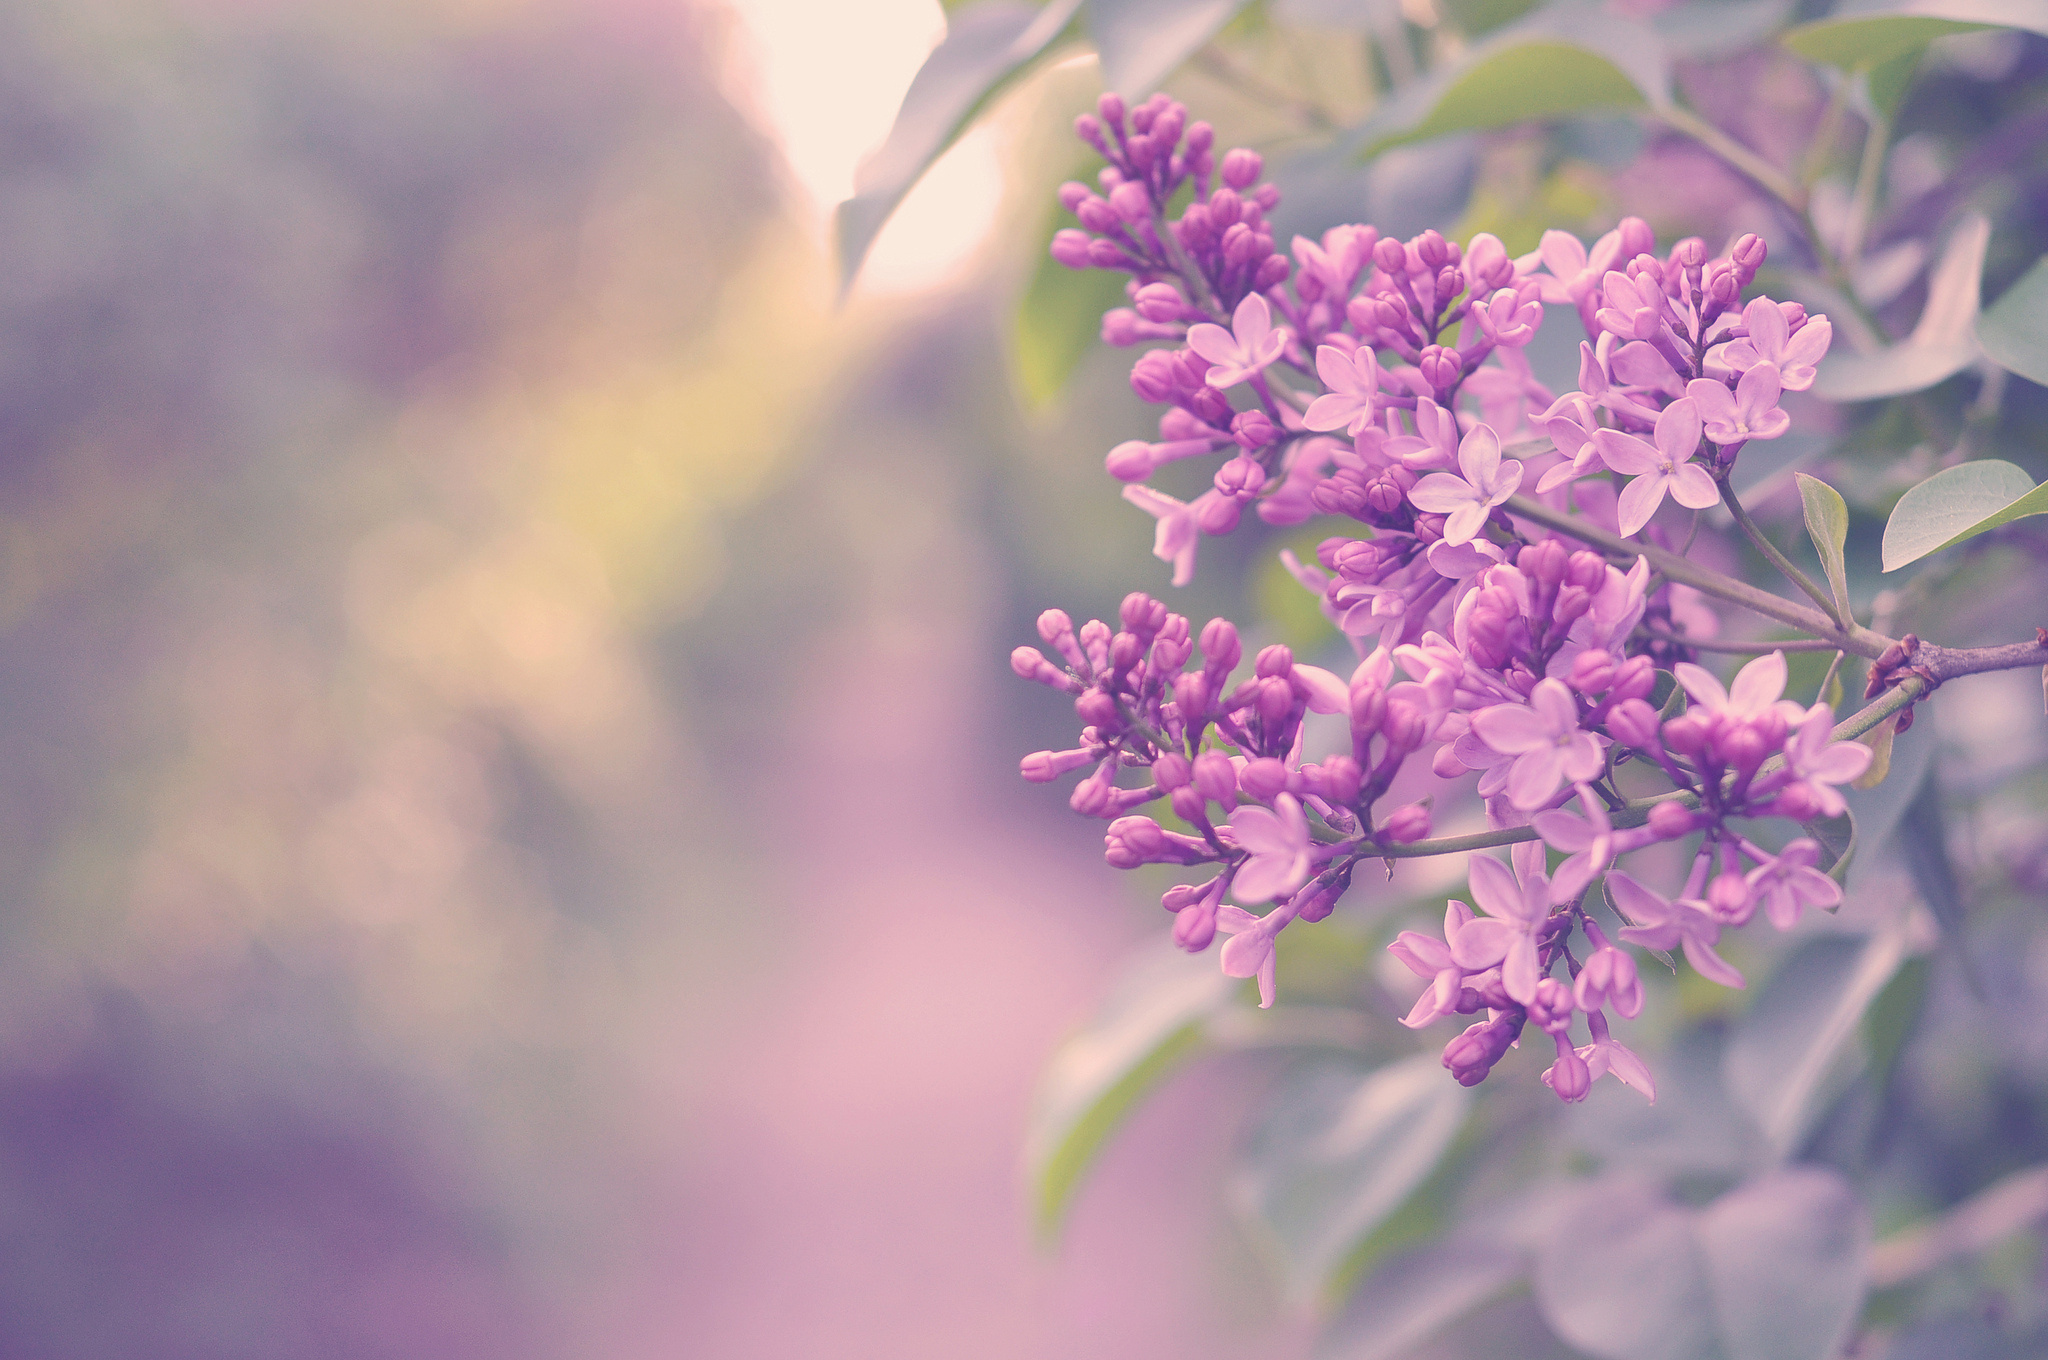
x=1111, y=107
x=1472, y=1054
x=1130, y=461
x=1407, y=824
x=1633, y=723
x=1159, y=302
x=1187, y=803
x=1264, y=779
x=1552, y=1006
x=1743, y=748
x=1098, y=708
x=1215, y=778
x=1546, y=561
x=1253, y=431
x=1216, y=515
x=1569, y=1076
x=1687, y=734
x=1669, y=821
x=1172, y=771
x=1391, y=256
x=1242, y=167
x=1341, y=780
x=1220, y=645
x=1570, y=606
x=1070, y=248
x=1635, y=678
x=1272, y=273
x=1274, y=660
x=1429, y=247
x=1730, y=898
x=1592, y=672
x=1797, y=801
x=1131, y=201
x=1636, y=238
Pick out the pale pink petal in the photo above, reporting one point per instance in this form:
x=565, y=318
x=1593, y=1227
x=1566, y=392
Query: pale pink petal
x=1518, y=971
x=1641, y=364
x=1562, y=831
x=1758, y=685
x=1692, y=486
x=1630, y=1069
x=1715, y=402
x=1214, y=343
x=1479, y=456
x=1334, y=367
x=1624, y=453
x=1636, y=903
x=1425, y=955
x=1252, y=321
x=1840, y=763
x=1555, y=705
x=1766, y=324
x=1511, y=729
x=1440, y=493
x=1494, y=889
x=1563, y=254
x=1710, y=965
x=1583, y=758
x=1335, y=411
x=1234, y=920
x=1326, y=692
x=1639, y=501
x=1484, y=943
x=1535, y=777
x=1464, y=523
x=1679, y=429
x=1700, y=683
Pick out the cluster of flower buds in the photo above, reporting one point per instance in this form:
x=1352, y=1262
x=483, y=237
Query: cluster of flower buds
x=1384, y=382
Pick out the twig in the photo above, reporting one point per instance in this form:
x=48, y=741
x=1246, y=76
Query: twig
x=1743, y=648
x=1983, y=1220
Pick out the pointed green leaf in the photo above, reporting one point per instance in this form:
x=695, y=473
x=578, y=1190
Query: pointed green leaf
x=1340, y=1151
x=1144, y=41
x=1564, y=59
x=1827, y=522
x=1793, y=1051
x=1923, y=841
x=1837, y=838
x=1941, y=346
x=987, y=45
x=1150, y=1024
x=1870, y=35
x=2014, y=332
x=1957, y=504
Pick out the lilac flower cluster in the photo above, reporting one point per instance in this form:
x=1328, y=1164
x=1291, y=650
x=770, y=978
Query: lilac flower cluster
x=1383, y=382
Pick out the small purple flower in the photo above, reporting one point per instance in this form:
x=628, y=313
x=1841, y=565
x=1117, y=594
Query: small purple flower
x=1606, y=1055
x=1467, y=500
x=1790, y=883
x=1354, y=381
x=1665, y=924
x=1821, y=762
x=1516, y=912
x=1570, y=1076
x=1771, y=341
x=1668, y=467
x=1589, y=840
x=1250, y=952
x=1252, y=343
x=1432, y=959
x=1749, y=412
x=1754, y=693
x=1608, y=976
x=1178, y=534
x=1545, y=738
x=1278, y=844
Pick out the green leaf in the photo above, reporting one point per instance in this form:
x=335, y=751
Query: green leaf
x=1773, y=1270
x=1875, y=34
x=1566, y=58
x=1411, y=1298
x=1837, y=837
x=1942, y=345
x=1340, y=1151
x=1923, y=840
x=986, y=46
x=1057, y=322
x=1719, y=28
x=1957, y=504
x=2014, y=332
x=1793, y=1051
x=1150, y=1024
x=1827, y=522
x=1891, y=1019
x=1143, y=41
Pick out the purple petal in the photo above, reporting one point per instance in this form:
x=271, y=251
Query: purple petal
x=1638, y=501
x=1440, y=493
x=1214, y=343
x=1692, y=486
x=1624, y=453
x=1518, y=972
x=1758, y=685
x=1679, y=429
x=1495, y=890
x=1484, y=943
x=1535, y=777
x=1511, y=729
x=1710, y=965
x=1561, y=830
x=1700, y=683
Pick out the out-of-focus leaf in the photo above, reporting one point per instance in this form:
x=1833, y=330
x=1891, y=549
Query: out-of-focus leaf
x=1957, y=504
x=1868, y=35
x=1891, y=1018
x=1883, y=86
x=1716, y=28
x=1827, y=521
x=987, y=45
x=1923, y=839
x=2014, y=330
x=1785, y=1257
x=1147, y=1026
x=1792, y=1051
x=1632, y=1286
x=1943, y=344
x=1057, y=322
x=1879, y=739
x=1414, y=1296
x=1837, y=837
x=1142, y=41
x=1877, y=810
x=1564, y=59
x=1773, y=1270
x=1340, y=1151
x=1692, y=1129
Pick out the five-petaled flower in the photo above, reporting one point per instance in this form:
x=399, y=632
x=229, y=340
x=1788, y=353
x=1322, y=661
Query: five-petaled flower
x=1546, y=741
x=1467, y=500
x=1749, y=412
x=1353, y=380
x=1251, y=343
x=1667, y=467
x=1665, y=924
x=1772, y=341
x=1517, y=906
x=1277, y=843
x=1819, y=761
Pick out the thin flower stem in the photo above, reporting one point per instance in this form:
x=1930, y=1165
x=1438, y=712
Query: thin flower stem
x=1834, y=669
x=1743, y=648
x=1776, y=558
x=1766, y=175
x=1859, y=640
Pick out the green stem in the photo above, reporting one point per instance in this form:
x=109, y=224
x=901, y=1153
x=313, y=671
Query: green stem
x=1776, y=558
x=1862, y=641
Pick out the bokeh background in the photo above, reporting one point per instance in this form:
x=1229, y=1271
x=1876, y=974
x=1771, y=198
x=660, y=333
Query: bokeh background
x=507, y=810
x=508, y=818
